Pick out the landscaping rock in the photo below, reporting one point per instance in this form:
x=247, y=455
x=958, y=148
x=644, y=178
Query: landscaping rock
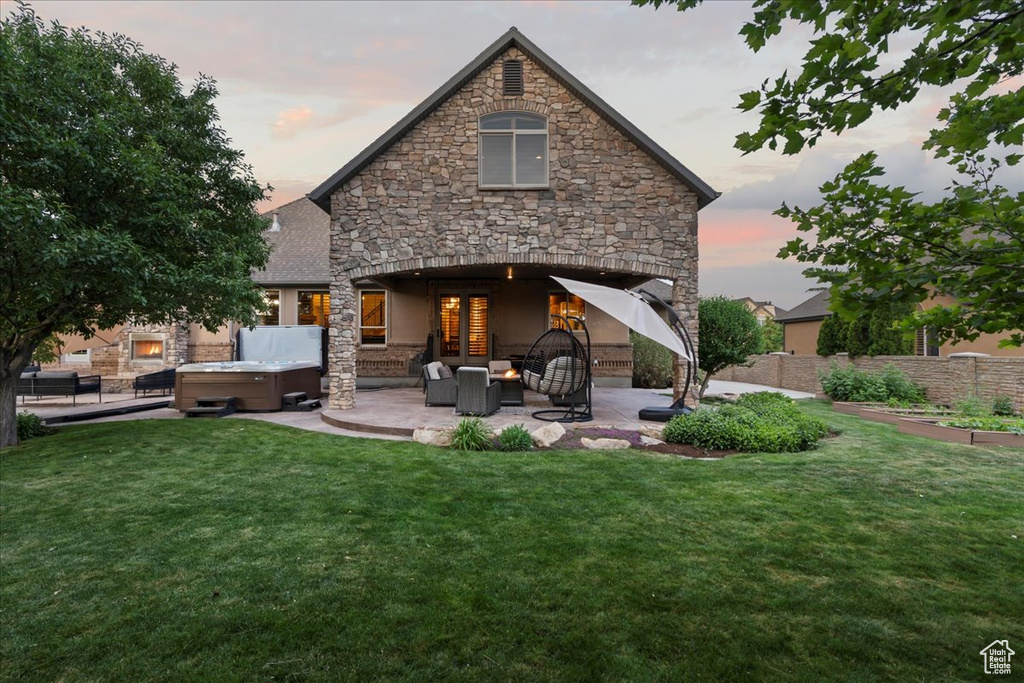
x=547, y=435
x=605, y=444
x=651, y=431
x=650, y=440
x=433, y=437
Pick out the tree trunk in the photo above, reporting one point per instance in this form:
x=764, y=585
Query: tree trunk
x=8, y=409
x=10, y=371
x=704, y=384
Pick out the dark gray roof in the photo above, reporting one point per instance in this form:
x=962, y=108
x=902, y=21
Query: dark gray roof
x=660, y=289
x=815, y=308
x=321, y=196
x=300, y=248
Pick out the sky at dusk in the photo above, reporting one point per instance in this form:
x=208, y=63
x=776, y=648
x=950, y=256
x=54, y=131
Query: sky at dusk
x=306, y=86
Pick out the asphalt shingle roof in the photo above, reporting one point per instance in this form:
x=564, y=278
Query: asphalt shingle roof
x=300, y=249
x=815, y=308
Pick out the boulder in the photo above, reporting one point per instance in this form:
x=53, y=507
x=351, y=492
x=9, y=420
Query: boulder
x=433, y=437
x=651, y=431
x=605, y=444
x=548, y=434
x=650, y=440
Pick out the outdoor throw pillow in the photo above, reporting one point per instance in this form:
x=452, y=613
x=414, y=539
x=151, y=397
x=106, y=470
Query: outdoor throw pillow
x=445, y=372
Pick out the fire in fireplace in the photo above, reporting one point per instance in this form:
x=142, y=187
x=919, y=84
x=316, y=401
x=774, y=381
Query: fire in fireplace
x=147, y=349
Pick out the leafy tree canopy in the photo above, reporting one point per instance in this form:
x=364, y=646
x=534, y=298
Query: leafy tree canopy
x=729, y=332
x=120, y=196
x=874, y=243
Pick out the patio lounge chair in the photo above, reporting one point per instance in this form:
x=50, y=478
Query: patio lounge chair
x=439, y=385
x=477, y=395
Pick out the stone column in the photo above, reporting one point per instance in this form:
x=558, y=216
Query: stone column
x=342, y=343
x=684, y=301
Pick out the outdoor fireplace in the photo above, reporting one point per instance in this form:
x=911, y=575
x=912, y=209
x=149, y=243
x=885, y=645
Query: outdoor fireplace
x=149, y=347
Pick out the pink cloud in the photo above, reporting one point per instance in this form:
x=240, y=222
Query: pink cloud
x=292, y=120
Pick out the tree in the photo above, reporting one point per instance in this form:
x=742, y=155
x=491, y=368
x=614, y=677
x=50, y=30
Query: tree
x=879, y=245
x=121, y=199
x=772, y=333
x=728, y=334
x=832, y=336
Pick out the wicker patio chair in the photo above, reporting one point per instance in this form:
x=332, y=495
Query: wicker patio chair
x=477, y=394
x=439, y=392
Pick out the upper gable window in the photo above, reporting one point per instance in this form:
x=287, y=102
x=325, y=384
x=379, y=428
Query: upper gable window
x=513, y=150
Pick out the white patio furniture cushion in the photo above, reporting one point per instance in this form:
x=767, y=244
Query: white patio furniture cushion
x=499, y=366
x=433, y=369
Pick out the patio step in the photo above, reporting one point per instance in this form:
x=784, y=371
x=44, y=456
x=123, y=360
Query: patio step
x=212, y=406
x=293, y=398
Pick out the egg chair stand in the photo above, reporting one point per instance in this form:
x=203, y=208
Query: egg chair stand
x=558, y=366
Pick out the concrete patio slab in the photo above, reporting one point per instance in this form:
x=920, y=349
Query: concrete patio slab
x=394, y=413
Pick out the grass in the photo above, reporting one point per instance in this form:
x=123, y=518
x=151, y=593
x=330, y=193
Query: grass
x=236, y=550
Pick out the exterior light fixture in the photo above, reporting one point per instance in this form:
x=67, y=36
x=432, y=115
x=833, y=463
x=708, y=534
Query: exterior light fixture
x=510, y=272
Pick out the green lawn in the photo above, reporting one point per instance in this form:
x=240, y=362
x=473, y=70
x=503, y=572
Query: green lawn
x=238, y=550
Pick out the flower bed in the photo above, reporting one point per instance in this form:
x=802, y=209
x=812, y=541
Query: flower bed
x=882, y=412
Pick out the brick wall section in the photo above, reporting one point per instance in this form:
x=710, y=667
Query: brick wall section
x=610, y=207
x=387, y=361
x=211, y=352
x=945, y=380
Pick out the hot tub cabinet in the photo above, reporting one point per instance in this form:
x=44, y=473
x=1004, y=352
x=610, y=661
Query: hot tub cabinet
x=256, y=385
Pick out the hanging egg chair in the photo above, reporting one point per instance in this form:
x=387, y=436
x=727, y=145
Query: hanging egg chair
x=558, y=366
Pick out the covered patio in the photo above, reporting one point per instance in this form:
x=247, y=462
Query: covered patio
x=400, y=411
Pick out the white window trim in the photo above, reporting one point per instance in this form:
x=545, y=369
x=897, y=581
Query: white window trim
x=387, y=317
x=514, y=133
x=83, y=356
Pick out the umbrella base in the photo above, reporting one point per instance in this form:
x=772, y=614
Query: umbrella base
x=656, y=414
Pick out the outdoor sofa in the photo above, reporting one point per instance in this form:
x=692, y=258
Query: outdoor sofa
x=162, y=381
x=71, y=384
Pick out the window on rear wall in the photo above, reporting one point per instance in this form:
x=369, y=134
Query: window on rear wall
x=314, y=308
x=373, y=318
x=566, y=305
x=513, y=150
x=271, y=314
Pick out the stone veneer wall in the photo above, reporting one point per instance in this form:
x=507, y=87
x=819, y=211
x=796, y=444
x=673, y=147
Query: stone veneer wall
x=945, y=380
x=175, y=348
x=609, y=207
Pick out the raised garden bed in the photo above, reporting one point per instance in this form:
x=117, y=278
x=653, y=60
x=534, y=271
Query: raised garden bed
x=881, y=412
x=932, y=430
x=923, y=421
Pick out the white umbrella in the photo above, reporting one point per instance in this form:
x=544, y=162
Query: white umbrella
x=629, y=308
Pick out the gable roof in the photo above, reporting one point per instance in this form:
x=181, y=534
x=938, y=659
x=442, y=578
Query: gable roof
x=321, y=196
x=299, y=248
x=815, y=308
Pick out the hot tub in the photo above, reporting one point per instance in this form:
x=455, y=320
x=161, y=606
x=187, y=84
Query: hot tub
x=256, y=385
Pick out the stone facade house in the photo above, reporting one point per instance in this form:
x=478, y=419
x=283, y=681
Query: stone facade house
x=444, y=231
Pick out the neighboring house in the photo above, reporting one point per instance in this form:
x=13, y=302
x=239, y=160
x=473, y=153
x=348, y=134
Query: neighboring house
x=762, y=310
x=802, y=324
x=445, y=230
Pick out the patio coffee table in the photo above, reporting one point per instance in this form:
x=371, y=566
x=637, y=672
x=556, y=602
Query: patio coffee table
x=511, y=389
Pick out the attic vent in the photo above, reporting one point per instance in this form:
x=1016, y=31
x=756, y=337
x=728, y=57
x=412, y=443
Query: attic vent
x=512, y=77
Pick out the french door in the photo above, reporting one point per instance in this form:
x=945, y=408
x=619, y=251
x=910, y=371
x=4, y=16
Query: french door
x=463, y=328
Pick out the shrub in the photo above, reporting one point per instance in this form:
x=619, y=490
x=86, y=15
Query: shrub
x=652, y=363
x=471, y=434
x=1002, y=406
x=898, y=386
x=515, y=438
x=766, y=422
x=847, y=383
x=971, y=406
x=31, y=426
